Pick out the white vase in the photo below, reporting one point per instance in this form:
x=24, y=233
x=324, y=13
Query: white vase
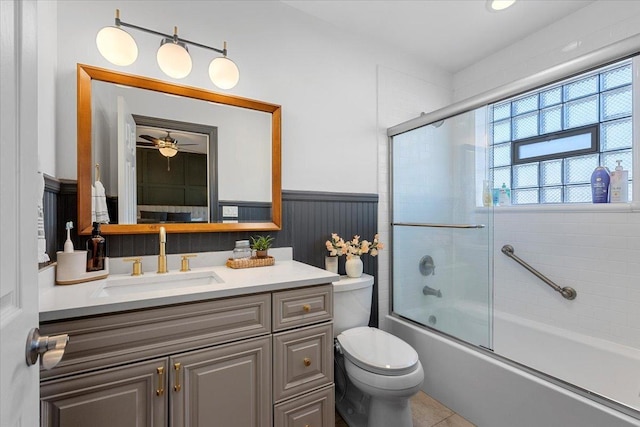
x=331, y=264
x=353, y=266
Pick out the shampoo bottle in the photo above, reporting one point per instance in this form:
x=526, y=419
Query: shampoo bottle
x=486, y=194
x=96, y=249
x=600, y=185
x=505, y=195
x=619, y=184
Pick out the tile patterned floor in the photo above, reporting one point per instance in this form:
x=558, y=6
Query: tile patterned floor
x=427, y=412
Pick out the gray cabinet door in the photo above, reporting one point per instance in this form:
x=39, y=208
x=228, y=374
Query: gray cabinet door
x=227, y=386
x=128, y=396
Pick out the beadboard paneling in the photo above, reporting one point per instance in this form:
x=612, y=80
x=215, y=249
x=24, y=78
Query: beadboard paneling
x=308, y=219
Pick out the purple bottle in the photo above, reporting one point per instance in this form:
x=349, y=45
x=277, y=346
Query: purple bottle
x=600, y=185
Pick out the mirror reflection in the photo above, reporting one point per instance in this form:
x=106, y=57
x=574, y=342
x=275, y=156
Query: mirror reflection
x=153, y=152
x=173, y=159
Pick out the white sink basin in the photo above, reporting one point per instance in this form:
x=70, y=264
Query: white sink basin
x=154, y=282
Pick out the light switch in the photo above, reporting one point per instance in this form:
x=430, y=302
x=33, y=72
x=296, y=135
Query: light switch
x=230, y=212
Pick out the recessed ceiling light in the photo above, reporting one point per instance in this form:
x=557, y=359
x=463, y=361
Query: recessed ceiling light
x=498, y=5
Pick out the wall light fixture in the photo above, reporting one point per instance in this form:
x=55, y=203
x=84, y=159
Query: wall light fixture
x=118, y=47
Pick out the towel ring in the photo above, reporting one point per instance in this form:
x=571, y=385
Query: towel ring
x=97, y=171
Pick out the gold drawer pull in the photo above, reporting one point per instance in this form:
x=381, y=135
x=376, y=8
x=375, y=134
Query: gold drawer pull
x=177, y=386
x=306, y=361
x=306, y=308
x=160, y=389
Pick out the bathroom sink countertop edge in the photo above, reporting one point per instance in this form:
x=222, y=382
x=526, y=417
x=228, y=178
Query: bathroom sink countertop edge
x=87, y=299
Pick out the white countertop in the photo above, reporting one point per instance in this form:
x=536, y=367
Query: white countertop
x=84, y=299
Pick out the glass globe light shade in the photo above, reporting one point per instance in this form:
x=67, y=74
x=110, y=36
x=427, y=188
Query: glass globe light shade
x=117, y=46
x=224, y=73
x=168, y=151
x=174, y=59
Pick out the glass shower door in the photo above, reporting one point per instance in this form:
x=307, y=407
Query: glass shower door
x=440, y=229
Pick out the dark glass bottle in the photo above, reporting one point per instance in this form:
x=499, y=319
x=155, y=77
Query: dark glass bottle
x=96, y=249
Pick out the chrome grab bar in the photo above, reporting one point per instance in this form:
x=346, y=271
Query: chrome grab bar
x=566, y=292
x=421, y=224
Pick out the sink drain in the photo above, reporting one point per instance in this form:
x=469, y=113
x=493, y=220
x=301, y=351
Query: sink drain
x=433, y=320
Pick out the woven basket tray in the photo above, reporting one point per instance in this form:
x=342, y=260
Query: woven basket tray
x=251, y=262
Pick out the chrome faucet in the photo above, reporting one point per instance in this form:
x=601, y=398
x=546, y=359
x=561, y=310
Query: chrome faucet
x=430, y=291
x=162, y=257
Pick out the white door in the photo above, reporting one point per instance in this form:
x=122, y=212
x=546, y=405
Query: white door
x=18, y=211
x=127, y=181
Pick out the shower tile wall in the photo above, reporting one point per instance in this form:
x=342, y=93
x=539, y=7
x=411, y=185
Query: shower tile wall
x=595, y=252
x=421, y=196
x=401, y=97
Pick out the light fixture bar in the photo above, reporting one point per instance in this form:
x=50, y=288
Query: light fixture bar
x=175, y=37
x=118, y=47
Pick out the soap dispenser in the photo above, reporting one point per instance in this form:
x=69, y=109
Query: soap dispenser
x=96, y=250
x=600, y=185
x=619, y=184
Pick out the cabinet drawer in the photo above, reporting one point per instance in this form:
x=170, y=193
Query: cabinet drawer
x=303, y=360
x=312, y=410
x=103, y=341
x=301, y=307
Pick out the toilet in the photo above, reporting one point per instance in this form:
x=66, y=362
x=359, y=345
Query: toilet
x=382, y=371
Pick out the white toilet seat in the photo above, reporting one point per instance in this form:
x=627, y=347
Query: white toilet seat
x=378, y=352
x=389, y=385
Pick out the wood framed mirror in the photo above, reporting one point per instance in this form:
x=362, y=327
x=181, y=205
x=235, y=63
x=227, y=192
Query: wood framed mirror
x=230, y=171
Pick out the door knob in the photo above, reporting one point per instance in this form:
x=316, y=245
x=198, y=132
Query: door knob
x=51, y=348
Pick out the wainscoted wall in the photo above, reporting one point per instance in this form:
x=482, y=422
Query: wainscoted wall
x=308, y=219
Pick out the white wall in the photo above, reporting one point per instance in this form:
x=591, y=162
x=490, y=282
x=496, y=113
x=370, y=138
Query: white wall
x=601, y=23
x=47, y=50
x=325, y=79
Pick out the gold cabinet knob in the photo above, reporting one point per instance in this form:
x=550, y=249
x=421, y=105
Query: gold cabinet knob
x=306, y=361
x=184, y=265
x=306, y=308
x=137, y=265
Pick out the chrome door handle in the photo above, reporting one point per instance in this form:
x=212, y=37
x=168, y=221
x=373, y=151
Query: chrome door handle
x=51, y=348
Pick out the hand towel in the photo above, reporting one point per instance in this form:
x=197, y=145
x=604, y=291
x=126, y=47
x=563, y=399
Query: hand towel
x=99, y=212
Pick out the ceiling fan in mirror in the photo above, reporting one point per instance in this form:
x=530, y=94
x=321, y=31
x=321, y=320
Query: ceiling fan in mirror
x=167, y=145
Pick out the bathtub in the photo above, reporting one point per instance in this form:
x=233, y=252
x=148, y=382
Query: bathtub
x=492, y=391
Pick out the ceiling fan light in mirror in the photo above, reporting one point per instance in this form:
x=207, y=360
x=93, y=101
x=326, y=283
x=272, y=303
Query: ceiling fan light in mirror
x=224, y=73
x=117, y=46
x=174, y=59
x=168, y=151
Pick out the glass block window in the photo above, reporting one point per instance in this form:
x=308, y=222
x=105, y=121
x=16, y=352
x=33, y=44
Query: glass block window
x=544, y=145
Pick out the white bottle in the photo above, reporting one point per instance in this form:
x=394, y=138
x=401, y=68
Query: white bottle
x=619, y=184
x=505, y=195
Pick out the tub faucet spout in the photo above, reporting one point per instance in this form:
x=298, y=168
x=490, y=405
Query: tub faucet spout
x=430, y=291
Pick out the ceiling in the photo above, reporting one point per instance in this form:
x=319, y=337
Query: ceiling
x=451, y=34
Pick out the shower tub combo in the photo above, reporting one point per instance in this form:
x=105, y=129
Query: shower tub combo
x=492, y=347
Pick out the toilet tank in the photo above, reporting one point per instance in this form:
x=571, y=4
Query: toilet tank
x=351, y=302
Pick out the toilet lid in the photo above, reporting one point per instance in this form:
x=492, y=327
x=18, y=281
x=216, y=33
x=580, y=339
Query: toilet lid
x=378, y=351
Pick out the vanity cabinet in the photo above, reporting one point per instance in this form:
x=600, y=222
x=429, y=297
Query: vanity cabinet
x=303, y=389
x=258, y=360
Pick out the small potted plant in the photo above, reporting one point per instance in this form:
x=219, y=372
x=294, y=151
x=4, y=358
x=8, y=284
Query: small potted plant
x=261, y=245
